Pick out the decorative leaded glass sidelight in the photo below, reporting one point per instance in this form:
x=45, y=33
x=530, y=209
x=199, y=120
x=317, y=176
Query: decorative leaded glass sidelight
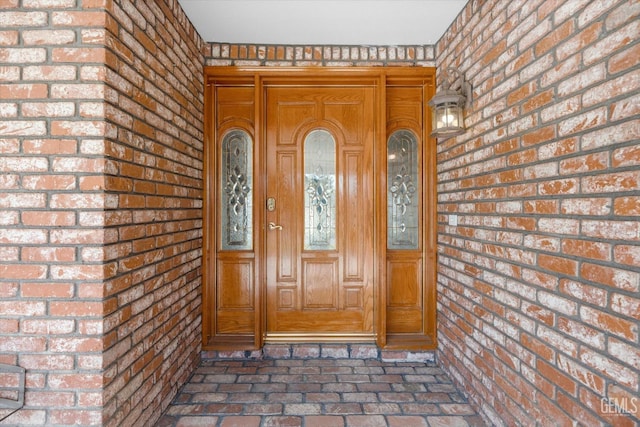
x=403, y=191
x=236, y=180
x=320, y=196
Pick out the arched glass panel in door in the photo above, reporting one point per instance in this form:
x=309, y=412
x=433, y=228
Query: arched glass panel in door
x=403, y=191
x=236, y=181
x=320, y=185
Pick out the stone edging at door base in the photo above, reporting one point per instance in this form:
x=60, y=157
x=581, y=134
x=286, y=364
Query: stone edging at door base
x=323, y=351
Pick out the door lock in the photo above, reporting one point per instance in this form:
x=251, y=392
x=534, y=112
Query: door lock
x=271, y=204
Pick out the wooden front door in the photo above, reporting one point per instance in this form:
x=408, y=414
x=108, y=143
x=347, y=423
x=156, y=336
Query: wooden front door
x=320, y=219
x=319, y=212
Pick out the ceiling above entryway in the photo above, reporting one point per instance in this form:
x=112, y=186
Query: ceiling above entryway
x=334, y=22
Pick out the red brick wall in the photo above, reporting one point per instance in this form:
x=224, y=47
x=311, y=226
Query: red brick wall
x=52, y=209
x=538, y=284
x=226, y=54
x=100, y=206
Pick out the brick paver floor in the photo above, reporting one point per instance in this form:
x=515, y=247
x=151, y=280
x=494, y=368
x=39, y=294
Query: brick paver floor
x=319, y=392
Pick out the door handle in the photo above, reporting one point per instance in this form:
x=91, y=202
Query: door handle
x=274, y=226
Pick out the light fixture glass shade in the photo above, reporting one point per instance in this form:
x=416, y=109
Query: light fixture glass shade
x=447, y=113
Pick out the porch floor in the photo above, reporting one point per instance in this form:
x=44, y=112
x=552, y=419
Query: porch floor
x=325, y=386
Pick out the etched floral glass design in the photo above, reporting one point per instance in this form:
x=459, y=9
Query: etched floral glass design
x=403, y=191
x=319, y=187
x=236, y=181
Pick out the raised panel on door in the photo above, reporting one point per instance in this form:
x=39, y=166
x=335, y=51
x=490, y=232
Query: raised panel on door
x=233, y=103
x=236, y=297
x=357, y=222
x=404, y=295
x=320, y=284
x=286, y=166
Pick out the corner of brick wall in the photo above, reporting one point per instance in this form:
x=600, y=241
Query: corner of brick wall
x=100, y=207
x=154, y=105
x=538, y=284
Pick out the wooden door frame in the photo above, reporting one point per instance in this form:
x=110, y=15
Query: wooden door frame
x=259, y=78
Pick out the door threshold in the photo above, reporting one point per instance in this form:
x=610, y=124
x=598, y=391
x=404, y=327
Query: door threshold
x=315, y=338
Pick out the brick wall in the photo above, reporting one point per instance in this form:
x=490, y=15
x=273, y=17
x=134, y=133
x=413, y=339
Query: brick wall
x=155, y=101
x=538, y=284
x=100, y=206
x=226, y=54
x=52, y=209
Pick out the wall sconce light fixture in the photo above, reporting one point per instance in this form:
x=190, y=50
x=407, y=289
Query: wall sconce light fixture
x=448, y=104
